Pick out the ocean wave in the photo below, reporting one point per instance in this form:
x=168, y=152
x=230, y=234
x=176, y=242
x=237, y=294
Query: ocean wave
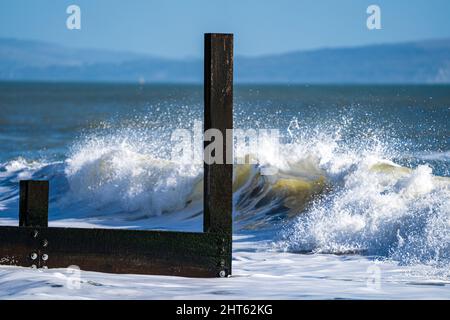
x=382, y=210
x=327, y=194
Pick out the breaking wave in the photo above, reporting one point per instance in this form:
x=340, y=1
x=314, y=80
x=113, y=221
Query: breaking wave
x=330, y=193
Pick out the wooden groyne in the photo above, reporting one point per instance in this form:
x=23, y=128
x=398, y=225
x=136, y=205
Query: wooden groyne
x=206, y=254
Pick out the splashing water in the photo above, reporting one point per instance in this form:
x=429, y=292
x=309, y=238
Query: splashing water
x=375, y=207
x=341, y=186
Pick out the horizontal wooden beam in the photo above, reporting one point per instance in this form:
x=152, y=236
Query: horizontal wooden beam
x=116, y=251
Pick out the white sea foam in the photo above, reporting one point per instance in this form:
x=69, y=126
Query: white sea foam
x=258, y=273
x=115, y=174
x=377, y=208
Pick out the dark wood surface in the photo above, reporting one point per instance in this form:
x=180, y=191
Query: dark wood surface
x=33, y=203
x=115, y=251
x=218, y=93
x=218, y=99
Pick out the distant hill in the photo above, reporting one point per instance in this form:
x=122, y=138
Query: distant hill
x=412, y=62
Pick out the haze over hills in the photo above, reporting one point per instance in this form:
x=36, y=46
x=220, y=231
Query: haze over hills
x=409, y=62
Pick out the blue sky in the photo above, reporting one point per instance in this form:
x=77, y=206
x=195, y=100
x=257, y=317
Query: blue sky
x=174, y=28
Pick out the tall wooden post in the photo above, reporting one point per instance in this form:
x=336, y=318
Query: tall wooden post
x=218, y=178
x=33, y=203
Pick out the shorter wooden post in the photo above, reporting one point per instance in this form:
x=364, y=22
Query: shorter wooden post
x=33, y=203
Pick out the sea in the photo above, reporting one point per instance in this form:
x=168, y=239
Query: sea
x=357, y=205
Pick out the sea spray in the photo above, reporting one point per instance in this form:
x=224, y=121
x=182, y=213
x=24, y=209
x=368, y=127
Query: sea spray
x=379, y=209
x=338, y=188
x=116, y=173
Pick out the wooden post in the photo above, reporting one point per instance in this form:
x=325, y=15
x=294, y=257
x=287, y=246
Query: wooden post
x=33, y=203
x=218, y=178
